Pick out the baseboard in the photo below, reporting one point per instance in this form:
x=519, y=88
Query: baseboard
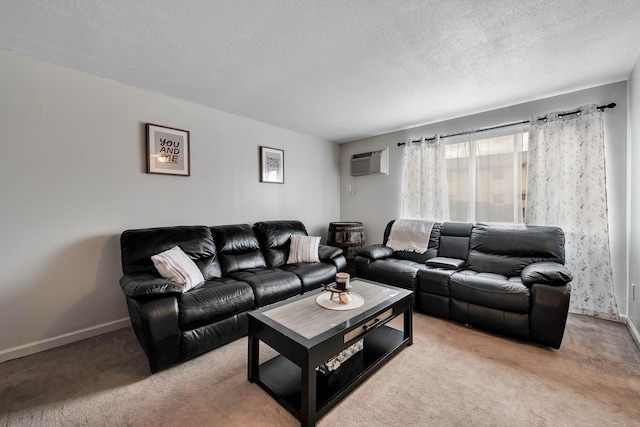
x=634, y=332
x=60, y=340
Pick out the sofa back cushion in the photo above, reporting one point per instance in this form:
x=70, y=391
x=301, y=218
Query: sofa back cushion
x=454, y=240
x=238, y=248
x=138, y=246
x=508, y=249
x=432, y=250
x=274, y=238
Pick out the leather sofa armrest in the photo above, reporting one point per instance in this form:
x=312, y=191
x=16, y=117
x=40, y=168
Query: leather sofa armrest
x=549, y=310
x=156, y=324
x=144, y=285
x=327, y=253
x=375, y=252
x=548, y=273
x=446, y=263
x=332, y=255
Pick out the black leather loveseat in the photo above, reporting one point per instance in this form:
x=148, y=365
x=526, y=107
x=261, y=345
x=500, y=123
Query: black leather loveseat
x=506, y=278
x=244, y=268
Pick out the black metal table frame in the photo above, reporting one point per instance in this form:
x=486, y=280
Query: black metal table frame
x=291, y=377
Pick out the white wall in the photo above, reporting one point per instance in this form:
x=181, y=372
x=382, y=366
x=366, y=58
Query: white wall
x=73, y=178
x=377, y=197
x=634, y=200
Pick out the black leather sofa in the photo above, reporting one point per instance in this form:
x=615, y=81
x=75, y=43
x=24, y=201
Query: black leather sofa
x=509, y=279
x=244, y=268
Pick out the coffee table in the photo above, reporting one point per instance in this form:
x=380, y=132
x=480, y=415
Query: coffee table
x=306, y=335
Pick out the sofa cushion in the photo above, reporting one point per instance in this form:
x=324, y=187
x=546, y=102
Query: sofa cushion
x=303, y=249
x=454, y=240
x=274, y=238
x=138, y=246
x=312, y=275
x=238, y=248
x=174, y=264
x=270, y=284
x=508, y=249
x=213, y=301
x=490, y=290
x=395, y=272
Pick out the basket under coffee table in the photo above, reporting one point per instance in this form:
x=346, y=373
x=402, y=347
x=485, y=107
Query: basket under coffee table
x=307, y=335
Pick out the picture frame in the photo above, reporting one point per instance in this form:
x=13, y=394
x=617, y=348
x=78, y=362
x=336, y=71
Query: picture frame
x=271, y=165
x=168, y=150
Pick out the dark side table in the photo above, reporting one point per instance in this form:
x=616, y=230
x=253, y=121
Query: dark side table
x=348, y=236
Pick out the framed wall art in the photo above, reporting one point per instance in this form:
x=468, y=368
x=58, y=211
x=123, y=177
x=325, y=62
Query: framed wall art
x=271, y=165
x=168, y=150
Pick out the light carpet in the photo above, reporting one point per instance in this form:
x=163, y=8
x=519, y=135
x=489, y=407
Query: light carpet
x=452, y=376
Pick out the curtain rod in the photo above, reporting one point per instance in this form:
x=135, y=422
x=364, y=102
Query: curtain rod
x=521, y=122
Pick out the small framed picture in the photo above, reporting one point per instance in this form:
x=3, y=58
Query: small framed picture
x=168, y=150
x=271, y=165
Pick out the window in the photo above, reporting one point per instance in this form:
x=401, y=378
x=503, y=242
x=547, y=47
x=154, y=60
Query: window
x=486, y=175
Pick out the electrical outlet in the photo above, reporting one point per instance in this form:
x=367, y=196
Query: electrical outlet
x=349, y=188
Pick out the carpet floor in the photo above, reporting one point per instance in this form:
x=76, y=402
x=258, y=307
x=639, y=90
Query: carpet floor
x=451, y=376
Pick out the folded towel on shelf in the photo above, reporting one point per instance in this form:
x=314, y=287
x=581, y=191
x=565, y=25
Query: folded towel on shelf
x=410, y=235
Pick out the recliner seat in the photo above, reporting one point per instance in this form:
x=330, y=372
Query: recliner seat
x=399, y=268
x=274, y=241
x=241, y=259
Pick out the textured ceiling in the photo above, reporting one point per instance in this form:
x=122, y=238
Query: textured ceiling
x=336, y=69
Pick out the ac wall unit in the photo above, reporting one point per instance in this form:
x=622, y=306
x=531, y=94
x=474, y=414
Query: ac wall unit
x=370, y=163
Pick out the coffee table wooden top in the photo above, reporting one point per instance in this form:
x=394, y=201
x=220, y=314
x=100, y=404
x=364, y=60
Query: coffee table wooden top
x=308, y=319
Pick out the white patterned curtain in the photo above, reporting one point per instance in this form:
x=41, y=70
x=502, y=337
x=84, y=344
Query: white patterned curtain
x=566, y=187
x=424, y=181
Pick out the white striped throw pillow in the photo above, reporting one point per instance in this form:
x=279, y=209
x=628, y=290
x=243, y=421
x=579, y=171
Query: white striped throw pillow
x=303, y=249
x=174, y=264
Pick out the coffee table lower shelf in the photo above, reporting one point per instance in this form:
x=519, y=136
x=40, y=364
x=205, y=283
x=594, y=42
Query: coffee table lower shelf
x=281, y=378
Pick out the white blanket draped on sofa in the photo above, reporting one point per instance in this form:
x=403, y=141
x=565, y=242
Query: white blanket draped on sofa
x=410, y=235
